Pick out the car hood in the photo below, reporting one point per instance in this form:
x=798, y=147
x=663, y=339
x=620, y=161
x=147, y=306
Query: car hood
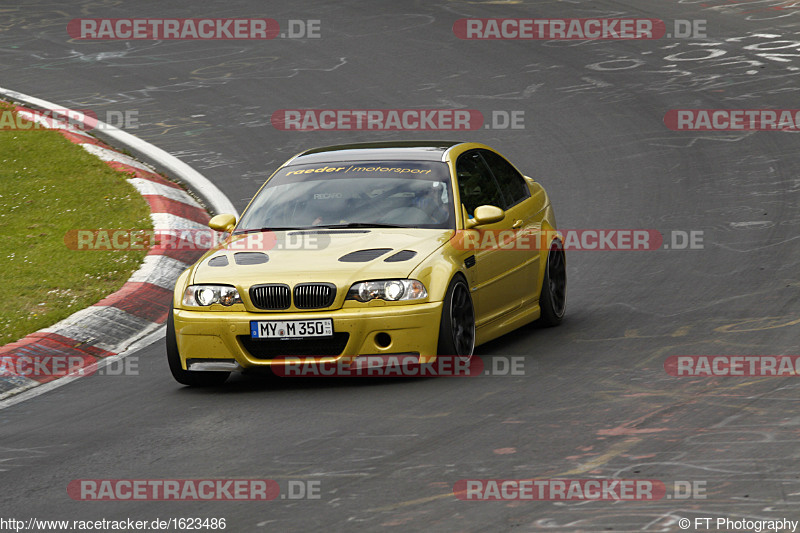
x=341, y=257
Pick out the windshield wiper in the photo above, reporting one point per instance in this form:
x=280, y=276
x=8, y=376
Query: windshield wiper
x=322, y=226
x=254, y=230
x=360, y=225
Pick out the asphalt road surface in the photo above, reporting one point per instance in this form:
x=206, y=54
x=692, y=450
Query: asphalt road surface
x=593, y=400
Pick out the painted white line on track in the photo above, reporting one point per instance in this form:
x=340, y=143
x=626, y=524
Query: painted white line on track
x=151, y=187
x=160, y=270
x=168, y=221
x=104, y=154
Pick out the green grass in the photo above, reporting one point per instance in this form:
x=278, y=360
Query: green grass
x=49, y=186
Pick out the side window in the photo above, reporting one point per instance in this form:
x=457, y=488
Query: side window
x=511, y=182
x=476, y=185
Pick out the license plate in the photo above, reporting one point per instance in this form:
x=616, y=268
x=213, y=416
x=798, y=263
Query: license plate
x=280, y=329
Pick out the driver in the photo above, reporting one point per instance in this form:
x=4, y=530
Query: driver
x=430, y=201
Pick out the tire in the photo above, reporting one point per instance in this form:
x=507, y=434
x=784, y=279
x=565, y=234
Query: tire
x=457, y=327
x=553, y=298
x=192, y=378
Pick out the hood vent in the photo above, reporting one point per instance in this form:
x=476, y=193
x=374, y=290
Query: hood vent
x=250, y=258
x=363, y=256
x=218, y=261
x=402, y=255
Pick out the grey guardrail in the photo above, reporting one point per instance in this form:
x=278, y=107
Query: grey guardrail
x=213, y=198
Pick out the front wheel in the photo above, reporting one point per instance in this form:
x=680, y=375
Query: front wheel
x=553, y=298
x=457, y=327
x=193, y=378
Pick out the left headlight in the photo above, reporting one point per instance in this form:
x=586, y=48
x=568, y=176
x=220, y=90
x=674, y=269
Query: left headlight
x=392, y=290
x=205, y=295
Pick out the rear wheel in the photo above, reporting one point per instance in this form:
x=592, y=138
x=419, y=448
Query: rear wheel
x=193, y=378
x=457, y=327
x=553, y=299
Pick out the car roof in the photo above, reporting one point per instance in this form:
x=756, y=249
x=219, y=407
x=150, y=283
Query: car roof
x=376, y=151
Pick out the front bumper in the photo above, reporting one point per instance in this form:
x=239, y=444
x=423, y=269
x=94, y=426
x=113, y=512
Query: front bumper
x=223, y=337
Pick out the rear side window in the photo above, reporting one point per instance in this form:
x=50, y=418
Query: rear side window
x=511, y=182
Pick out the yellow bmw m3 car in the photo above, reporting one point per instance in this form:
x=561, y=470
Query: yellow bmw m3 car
x=416, y=249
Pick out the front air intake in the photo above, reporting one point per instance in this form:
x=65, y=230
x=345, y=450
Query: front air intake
x=271, y=296
x=314, y=295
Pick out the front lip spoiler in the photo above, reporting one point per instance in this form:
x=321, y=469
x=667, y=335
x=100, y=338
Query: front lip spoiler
x=213, y=366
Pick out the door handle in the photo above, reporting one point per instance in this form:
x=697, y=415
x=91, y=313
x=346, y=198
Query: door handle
x=517, y=224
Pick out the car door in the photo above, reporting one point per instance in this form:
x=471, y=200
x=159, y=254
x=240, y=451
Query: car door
x=524, y=213
x=496, y=274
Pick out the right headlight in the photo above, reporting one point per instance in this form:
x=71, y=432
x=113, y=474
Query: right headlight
x=392, y=290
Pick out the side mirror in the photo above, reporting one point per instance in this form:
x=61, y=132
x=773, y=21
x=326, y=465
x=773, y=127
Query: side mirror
x=486, y=214
x=224, y=223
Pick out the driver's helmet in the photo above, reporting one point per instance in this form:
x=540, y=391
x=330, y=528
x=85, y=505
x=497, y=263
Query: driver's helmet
x=429, y=199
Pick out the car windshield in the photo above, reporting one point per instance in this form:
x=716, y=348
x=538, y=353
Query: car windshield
x=354, y=194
